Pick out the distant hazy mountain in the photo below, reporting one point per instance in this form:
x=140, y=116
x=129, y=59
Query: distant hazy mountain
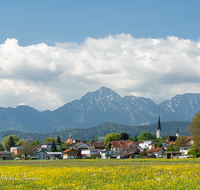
x=95, y=108
x=25, y=118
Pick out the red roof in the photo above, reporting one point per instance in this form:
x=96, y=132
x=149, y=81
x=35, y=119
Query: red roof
x=120, y=144
x=67, y=150
x=154, y=150
x=172, y=143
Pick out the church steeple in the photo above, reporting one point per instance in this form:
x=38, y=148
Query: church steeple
x=159, y=126
x=159, y=132
x=177, y=133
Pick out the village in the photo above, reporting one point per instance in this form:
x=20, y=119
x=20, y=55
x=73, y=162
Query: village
x=121, y=149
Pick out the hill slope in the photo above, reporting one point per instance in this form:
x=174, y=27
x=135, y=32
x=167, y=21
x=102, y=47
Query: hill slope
x=168, y=128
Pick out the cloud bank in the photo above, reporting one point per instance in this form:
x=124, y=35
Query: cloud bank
x=46, y=77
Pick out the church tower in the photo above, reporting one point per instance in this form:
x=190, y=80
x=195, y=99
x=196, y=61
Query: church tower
x=159, y=132
x=177, y=133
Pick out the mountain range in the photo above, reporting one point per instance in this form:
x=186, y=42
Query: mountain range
x=95, y=108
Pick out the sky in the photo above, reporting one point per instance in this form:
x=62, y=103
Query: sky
x=52, y=52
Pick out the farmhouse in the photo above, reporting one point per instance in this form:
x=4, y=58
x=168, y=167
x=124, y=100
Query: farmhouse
x=156, y=151
x=41, y=154
x=129, y=151
x=107, y=154
x=117, y=146
x=70, y=154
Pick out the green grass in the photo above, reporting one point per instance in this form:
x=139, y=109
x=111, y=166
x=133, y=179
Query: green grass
x=98, y=162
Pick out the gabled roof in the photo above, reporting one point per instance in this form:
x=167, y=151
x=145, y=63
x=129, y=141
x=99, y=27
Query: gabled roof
x=154, y=150
x=120, y=144
x=68, y=150
x=98, y=144
x=129, y=150
x=171, y=138
x=41, y=150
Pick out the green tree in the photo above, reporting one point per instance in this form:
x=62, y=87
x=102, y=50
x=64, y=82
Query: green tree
x=159, y=145
x=53, y=147
x=95, y=139
x=11, y=143
x=58, y=140
x=6, y=139
x=180, y=141
x=146, y=136
x=26, y=149
x=135, y=139
x=48, y=139
x=111, y=137
x=171, y=148
x=21, y=141
x=130, y=138
x=64, y=145
x=34, y=143
x=1, y=147
x=194, y=129
x=194, y=152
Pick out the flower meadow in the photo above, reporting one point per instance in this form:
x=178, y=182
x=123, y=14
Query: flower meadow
x=103, y=175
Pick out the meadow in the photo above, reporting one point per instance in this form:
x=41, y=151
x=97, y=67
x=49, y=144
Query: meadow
x=101, y=174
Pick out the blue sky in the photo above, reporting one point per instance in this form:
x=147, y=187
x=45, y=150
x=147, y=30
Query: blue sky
x=33, y=22
x=52, y=52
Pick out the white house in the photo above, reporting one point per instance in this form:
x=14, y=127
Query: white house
x=91, y=152
x=54, y=155
x=184, y=149
x=145, y=144
x=41, y=155
x=156, y=151
x=107, y=154
x=80, y=145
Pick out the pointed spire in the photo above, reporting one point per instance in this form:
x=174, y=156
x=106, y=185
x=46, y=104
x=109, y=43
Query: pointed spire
x=159, y=126
x=177, y=133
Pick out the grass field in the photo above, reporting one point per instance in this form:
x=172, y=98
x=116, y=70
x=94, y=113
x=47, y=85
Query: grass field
x=101, y=174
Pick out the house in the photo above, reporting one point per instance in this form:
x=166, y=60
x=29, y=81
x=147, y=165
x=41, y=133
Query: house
x=117, y=146
x=71, y=140
x=145, y=144
x=190, y=141
x=171, y=139
x=41, y=154
x=90, y=151
x=70, y=154
x=184, y=149
x=107, y=154
x=47, y=146
x=5, y=155
x=98, y=145
x=79, y=145
x=156, y=151
x=154, y=144
x=36, y=148
x=16, y=149
x=130, y=151
x=54, y=155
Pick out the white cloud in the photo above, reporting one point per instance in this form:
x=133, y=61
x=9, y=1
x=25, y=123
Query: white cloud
x=47, y=77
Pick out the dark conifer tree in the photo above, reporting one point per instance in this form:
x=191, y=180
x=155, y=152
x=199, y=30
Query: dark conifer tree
x=11, y=143
x=135, y=139
x=58, y=140
x=53, y=147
